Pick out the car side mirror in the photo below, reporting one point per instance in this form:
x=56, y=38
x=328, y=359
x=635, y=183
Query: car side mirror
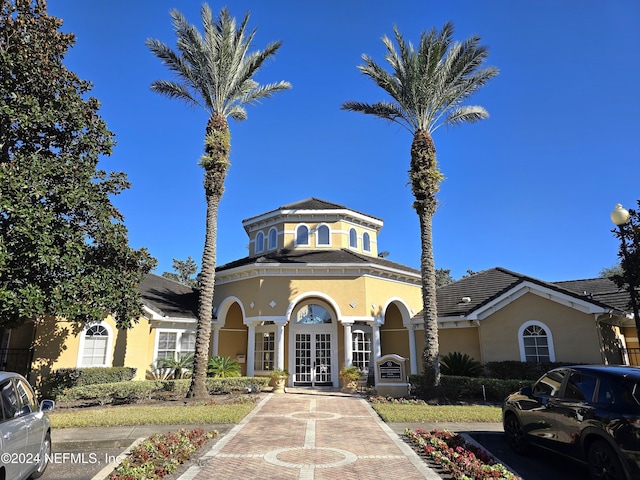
x=527, y=391
x=47, y=405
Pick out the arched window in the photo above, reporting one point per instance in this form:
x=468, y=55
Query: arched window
x=95, y=346
x=323, y=235
x=536, y=343
x=366, y=242
x=273, y=239
x=313, y=314
x=353, y=238
x=302, y=235
x=259, y=242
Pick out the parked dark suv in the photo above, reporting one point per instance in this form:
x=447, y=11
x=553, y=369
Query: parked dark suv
x=590, y=413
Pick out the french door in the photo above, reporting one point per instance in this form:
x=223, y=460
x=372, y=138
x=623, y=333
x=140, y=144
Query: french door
x=313, y=365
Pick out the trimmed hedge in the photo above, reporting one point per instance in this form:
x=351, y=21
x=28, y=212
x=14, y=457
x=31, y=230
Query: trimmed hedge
x=139, y=391
x=64, y=378
x=522, y=370
x=455, y=389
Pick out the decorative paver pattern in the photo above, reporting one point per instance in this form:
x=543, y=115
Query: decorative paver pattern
x=306, y=436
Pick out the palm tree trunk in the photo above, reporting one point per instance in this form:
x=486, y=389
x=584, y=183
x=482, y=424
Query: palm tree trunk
x=216, y=164
x=425, y=179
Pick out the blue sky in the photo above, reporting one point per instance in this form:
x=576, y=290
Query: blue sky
x=530, y=189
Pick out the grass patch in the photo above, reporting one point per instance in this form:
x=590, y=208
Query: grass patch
x=150, y=415
x=403, y=413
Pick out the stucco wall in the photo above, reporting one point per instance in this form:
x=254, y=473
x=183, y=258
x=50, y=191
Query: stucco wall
x=463, y=340
x=233, y=336
x=574, y=333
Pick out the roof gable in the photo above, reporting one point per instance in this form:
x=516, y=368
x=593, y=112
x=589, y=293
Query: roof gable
x=168, y=298
x=477, y=296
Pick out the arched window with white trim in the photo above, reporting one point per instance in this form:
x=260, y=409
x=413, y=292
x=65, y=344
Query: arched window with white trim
x=95, y=346
x=273, y=239
x=366, y=242
x=302, y=235
x=323, y=236
x=353, y=238
x=536, y=342
x=259, y=242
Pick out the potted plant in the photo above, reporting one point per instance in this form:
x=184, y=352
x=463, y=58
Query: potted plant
x=350, y=376
x=279, y=377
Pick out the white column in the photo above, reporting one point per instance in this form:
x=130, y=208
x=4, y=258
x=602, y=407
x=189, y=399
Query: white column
x=216, y=339
x=376, y=348
x=280, y=346
x=412, y=349
x=348, y=345
x=251, y=349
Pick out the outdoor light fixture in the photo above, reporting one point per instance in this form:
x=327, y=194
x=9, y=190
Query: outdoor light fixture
x=620, y=217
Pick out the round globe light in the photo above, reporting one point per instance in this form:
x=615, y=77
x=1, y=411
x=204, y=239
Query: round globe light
x=619, y=216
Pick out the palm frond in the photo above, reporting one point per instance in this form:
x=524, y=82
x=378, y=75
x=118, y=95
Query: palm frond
x=214, y=69
x=427, y=85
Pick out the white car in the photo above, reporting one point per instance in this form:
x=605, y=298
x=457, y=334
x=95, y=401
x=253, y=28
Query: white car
x=25, y=430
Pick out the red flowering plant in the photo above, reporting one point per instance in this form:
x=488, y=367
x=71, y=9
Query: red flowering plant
x=459, y=458
x=160, y=455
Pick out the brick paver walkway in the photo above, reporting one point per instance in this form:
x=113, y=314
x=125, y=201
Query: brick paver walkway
x=305, y=436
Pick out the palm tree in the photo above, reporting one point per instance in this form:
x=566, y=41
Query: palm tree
x=427, y=88
x=214, y=72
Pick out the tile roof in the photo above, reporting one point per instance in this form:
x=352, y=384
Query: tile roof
x=601, y=289
x=488, y=285
x=311, y=257
x=311, y=203
x=168, y=297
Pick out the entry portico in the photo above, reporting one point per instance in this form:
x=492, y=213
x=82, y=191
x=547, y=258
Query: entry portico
x=313, y=296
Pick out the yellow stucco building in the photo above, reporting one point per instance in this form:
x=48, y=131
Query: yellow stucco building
x=313, y=296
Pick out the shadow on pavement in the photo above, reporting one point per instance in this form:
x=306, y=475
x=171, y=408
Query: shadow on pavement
x=538, y=465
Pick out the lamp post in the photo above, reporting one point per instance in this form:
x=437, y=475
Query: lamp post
x=620, y=217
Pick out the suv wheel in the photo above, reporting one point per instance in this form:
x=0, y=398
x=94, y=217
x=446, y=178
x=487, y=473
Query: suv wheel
x=515, y=434
x=604, y=463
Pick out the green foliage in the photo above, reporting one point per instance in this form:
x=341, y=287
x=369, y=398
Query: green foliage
x=185, y=269
x=350, y=374
x=629, y=254
x=181, y=366
x=160, y=455
x=64, y=378
x=278, y=373
x=223, y=367
x=510, y=369
x=443, y=277
x=460, y=364
x=63, y=245
x=456, y=389
x=136, y=391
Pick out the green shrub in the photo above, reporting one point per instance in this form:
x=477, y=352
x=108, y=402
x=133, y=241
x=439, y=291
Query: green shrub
x=64, y=378
x=522, y=370
x=455, y=389
x=223, y=367
x=182, y=367
x=137, y=391
x=460, y=364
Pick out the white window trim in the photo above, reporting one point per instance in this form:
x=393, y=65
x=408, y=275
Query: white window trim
x=274, y=247
x=356, y=245
x=260, y=329
x=363, y=244
x=523, y=327
x=179, y=331
x=317, y=236
x=296, y=243
x=108, y=357
x=259, y=245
